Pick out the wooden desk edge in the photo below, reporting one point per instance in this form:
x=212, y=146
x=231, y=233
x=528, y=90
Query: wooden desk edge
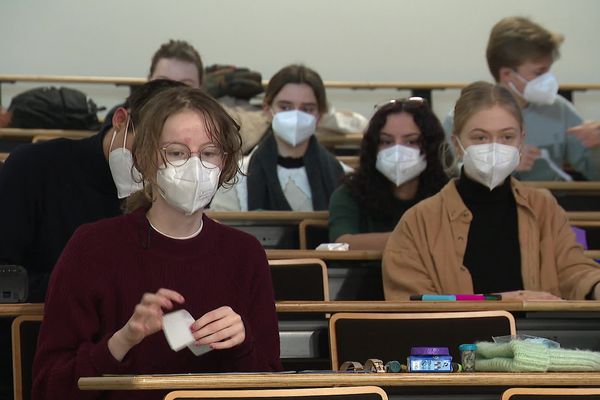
x=11, y=78
x=350, y=255
x=283, y=380
x=16, y=309
x=437, y=306
x=275, y=216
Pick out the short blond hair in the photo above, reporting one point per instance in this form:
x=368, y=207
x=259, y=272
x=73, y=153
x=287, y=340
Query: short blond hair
x=516, y=40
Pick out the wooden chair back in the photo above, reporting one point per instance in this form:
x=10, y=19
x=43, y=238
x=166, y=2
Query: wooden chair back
x=551, y=394
x=329, y=393
x=360, y=336
x=313, y=232
x=25, y=330
x=300, y=279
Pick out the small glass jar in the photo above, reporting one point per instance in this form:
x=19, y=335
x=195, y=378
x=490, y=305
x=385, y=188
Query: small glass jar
x=467, y=356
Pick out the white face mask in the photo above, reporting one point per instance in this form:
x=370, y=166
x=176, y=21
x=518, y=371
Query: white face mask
x=294, y=127
x=490, y=163
x=400, y=163
x=120, y=161
x=541, y=90
x=189, y=187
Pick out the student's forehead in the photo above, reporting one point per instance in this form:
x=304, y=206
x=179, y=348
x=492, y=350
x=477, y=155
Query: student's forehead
x=298, y=93
x=492, y=119
x=400, y=124
x=177, y=70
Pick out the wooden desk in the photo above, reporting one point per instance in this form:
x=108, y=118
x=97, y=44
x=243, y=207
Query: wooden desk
x=583, y=215
x=298, y=216
x=355, y=255
x=72, y=79
x=422, y=89
x=267, y=216
x=587, y=186
x=16, y=309
x=13, y=310
x=352, y=255
x=284, y=380
x=435, y=306
x=334, y=139
x=368, y=85
x=28, y=134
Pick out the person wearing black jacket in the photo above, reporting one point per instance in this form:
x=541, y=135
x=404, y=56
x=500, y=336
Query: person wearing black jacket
x=49, y=189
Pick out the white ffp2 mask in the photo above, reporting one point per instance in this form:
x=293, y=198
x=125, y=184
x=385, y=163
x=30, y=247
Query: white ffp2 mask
x=190, y=186
x=540, y=90
x=400, y=163
x=490, y=163
x=126, y=177
x=294, y=127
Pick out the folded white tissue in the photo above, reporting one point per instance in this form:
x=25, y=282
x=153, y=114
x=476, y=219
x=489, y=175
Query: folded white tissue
x=176, y=326
x=334, y=246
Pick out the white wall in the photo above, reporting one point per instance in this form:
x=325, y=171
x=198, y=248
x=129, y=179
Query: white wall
x=372, y=40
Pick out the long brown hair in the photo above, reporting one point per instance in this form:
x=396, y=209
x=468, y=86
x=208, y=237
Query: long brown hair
x=222, y=129
x=369, y=187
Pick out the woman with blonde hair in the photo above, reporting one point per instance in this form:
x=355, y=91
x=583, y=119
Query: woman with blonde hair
x=485, y=232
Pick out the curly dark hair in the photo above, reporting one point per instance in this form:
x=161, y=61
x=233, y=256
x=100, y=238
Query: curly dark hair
x=373, y=191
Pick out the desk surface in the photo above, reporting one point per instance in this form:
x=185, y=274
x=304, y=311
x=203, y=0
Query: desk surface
x=274, y=216
x=284, y=380
x=11, y=78
x=29, y=133
x=356, y=255
x=434, y=306
x=12, y=310
x=16, y=309
x=352, y=255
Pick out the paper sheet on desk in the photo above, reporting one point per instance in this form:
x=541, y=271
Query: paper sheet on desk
x=333, y=246
x=176, y=326
x=544, y=155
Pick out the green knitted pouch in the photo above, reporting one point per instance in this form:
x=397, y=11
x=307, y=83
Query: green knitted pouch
x=524, y=356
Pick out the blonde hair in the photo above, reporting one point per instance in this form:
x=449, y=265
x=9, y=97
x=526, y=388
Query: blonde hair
x=222, y=129
x=482, y=95
x=473, y=98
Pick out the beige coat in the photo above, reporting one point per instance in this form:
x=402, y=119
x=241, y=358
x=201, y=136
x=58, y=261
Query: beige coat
x=425, y=251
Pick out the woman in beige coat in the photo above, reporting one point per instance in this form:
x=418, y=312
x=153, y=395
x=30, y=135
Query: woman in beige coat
x=485, y=232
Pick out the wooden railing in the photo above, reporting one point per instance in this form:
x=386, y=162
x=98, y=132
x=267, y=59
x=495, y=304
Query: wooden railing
x=423, y=89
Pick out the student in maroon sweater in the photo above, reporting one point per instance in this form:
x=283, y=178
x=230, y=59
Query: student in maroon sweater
x=117, y=277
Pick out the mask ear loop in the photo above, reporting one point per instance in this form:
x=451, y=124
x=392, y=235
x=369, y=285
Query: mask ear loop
x=461, y=145
x=126, y=130
x=112, y=140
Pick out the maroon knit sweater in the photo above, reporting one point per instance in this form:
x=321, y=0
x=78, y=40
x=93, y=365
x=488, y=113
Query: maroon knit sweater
x=102, y=274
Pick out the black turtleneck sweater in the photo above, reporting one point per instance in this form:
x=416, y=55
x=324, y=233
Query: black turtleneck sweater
x=493, y=254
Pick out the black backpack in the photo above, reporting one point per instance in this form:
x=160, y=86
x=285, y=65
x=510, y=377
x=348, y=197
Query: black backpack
x=229, y=80
x=54, y=108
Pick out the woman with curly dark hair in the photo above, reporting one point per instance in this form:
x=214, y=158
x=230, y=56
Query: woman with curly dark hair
x=400, y=164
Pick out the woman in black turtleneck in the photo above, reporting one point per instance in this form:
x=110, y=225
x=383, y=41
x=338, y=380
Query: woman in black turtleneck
x=485, y=232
